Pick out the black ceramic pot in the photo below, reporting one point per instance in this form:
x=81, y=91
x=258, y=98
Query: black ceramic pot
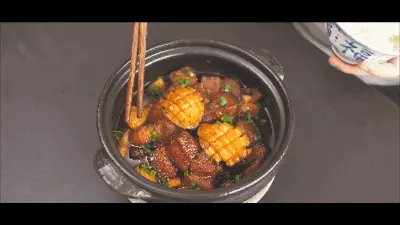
x=263, y=73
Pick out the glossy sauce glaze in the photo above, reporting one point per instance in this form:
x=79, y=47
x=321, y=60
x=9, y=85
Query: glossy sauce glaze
x=198, y=131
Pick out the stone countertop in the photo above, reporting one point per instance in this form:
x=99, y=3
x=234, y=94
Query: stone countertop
x=345, y=146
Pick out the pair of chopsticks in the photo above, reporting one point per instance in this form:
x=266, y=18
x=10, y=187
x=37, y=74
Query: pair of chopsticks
x=139, y=38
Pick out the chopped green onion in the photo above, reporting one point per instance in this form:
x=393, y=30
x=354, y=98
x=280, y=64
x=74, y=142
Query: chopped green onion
x=154, y=95
x=226, y=119
x=257, y=136
x=117, y=134
x=190, y=73
x=248, y=115
x=237, y=178
x=217, y=122
x=147, y=148
x=250, y=127
x=263, y=122
x=154, y=88
x=227, y=88
x=259, y=105
x=186, y=173
x=194, y=185
x=145, y=166
x=184, y=82
x=154, y=135
x=222, y=101
x=166, y=183
x=154, y=91
x=152, y=173
x=269, y=149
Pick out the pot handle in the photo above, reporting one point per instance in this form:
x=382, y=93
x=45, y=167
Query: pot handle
x=271, y=61
x=114, y=178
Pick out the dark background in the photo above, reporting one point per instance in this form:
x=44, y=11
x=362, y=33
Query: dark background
x=345, y=145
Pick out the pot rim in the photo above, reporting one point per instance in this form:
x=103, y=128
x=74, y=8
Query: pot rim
x=214, y=194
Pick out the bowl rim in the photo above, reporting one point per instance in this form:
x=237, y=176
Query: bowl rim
x=159, y=190
x=341, y=29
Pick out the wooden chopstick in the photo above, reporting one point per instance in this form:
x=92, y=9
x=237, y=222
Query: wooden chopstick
x=142, y=57
x=139, y=38
x=131, y=81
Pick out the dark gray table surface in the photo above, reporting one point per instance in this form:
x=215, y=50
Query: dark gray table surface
x=345, y=146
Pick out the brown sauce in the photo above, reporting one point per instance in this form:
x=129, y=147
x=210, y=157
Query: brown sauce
x=165, y=152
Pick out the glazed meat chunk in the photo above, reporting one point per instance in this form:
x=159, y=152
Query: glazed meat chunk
x=251, y=131
x=198, y=183
x=183, y=149
x=162, y=163
x=184, y=73
x=255, y=159
x=233, y=86
x=223, y=104
x=211, y=85
x=204, y=167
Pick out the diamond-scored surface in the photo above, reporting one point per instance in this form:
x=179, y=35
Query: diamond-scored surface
x=184, y=107
x=223, y=142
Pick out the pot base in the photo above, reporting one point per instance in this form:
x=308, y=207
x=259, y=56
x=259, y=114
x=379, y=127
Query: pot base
x=256, y=198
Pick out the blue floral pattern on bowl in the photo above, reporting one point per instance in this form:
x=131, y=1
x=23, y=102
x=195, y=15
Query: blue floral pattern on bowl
x=350, y=50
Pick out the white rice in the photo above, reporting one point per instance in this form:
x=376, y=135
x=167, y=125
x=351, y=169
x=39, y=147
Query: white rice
x=382, y=37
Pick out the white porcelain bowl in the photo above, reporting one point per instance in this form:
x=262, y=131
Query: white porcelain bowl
x=367, y=47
